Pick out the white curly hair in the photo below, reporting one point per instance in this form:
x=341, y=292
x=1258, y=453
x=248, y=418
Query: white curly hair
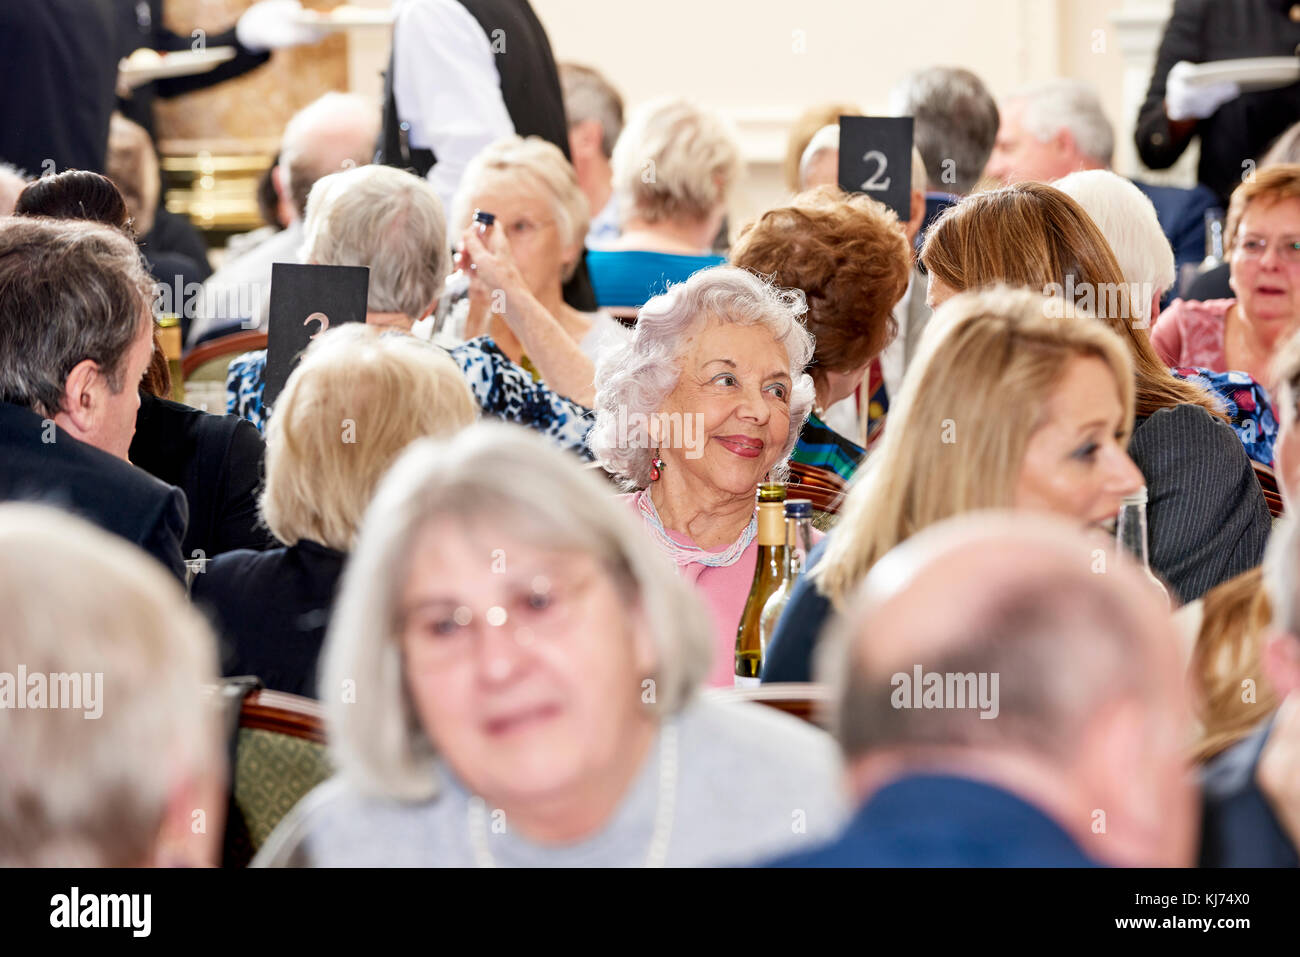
x=633, y=380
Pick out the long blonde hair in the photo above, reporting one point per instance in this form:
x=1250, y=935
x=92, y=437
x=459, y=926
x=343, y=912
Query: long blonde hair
x=1229, y=651
x=960, y=425
x=1034, y=235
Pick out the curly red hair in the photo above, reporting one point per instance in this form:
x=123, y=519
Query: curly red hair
x=849, y=255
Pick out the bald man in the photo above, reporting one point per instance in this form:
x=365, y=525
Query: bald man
x=1008, y=695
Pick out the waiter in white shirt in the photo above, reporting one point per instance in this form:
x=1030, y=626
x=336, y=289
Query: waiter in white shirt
x=465, y=73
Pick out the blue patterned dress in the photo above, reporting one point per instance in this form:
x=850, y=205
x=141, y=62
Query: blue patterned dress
x=1247, y=405
x=502, y=389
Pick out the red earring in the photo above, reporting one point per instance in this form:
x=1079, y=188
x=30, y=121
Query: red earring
x=655, y=465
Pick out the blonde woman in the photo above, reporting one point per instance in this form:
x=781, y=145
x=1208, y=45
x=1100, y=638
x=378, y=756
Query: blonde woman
x=525, y=673
x=518, y=270
x=675, y=166
x=1009, y=404
x=1207, y=517
x=354, y=402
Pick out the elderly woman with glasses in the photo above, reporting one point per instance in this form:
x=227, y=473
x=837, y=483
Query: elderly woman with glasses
x=509, y=680
x=705, y=402
x=519, y=267
x=1263, y=242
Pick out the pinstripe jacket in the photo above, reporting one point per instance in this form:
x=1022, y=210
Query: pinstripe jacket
x=1206, y=515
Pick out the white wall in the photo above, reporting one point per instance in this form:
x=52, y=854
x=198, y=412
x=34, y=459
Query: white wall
x=761, y=62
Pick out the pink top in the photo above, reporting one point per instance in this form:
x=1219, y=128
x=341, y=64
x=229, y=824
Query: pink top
x=724, y=589
x=1190, y=333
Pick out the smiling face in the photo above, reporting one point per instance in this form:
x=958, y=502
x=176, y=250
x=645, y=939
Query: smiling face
x=527, y=677
x=735, y=382
x=526, y=215
x=1075, y=464
x=1264, y=275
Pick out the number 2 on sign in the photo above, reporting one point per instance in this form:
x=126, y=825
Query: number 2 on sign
x=875, y=183
x=320, y=317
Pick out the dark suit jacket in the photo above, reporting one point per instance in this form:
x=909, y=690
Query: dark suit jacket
x=271, y=609
x=216, y=460
x=58, y=71
x=1182, y=218
x=1241, y=129
x=82, y=479
x=938, y=820
x=1212, y=284
x=1207, y=520
x=1238, y=828
x=140, y=24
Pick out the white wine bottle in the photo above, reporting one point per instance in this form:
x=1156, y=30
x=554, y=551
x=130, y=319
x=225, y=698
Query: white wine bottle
x=768, y=572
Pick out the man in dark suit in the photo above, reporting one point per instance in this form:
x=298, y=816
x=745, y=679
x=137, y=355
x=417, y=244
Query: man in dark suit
x=75, y=341
x=1234, y=126
x=1001, y=704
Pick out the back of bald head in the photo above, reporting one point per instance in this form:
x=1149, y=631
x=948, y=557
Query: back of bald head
x=1029, y=628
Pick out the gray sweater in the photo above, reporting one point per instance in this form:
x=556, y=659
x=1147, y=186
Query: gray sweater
x=751, y=783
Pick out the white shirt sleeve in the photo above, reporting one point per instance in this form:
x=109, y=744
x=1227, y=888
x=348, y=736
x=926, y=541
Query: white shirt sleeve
x=447, y=88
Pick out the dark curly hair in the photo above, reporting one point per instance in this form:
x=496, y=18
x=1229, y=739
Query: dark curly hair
x=849, y=255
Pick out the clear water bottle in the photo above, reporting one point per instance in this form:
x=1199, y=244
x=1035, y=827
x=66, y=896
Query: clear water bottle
x=1213, y=240
x=798, y=543
x=1131, y=535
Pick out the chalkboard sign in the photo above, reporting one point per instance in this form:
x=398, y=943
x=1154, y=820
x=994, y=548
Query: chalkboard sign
x=876, y=159
x=305, y=301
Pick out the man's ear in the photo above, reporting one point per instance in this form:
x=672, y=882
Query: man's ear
x=1065, y=144
x=1281, y=660
x=917, y=217
x=80, y=406
x=585, y=138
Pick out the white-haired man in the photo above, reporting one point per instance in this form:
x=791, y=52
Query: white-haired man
x=1052, y=129
x=335, y=132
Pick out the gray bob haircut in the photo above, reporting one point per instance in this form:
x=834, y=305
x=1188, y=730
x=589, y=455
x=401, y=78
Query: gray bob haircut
x=386, y=219
x=1070, y=105
x=507, y=478
x=633, y=380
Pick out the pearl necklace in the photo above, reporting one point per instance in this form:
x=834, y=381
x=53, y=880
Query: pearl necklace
x=665, y=808
x=683, y=555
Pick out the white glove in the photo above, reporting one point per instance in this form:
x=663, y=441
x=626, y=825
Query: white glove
x=274, y=25
x=1187, y=101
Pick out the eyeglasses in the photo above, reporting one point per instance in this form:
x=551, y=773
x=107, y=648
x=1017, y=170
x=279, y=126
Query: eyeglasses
x=1255, y=248
x=542, y=611
x=524, y=228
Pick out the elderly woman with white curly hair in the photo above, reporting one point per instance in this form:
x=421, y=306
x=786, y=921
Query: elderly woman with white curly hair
x=510, y=678
x=704, y=402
